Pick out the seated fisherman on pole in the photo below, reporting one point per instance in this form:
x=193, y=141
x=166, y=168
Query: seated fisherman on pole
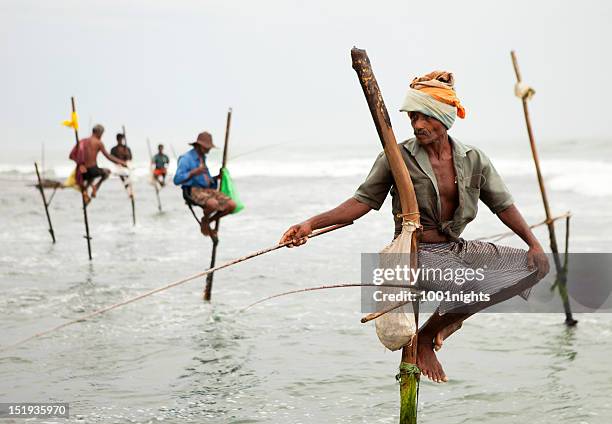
x=89, y=169
x=160, y=161
x=199, y=187
x=449, y=178
x=123, y=152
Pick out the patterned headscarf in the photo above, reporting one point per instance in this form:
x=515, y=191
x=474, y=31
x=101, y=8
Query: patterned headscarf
x=434, y=95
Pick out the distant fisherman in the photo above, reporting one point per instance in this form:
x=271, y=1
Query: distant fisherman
x=86, y=158
x=123, y=152
x=449, y=179
x=199, y=187
x=161, y=161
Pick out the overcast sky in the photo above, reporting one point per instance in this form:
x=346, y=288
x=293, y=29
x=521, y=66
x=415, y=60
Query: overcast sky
x=169, y=69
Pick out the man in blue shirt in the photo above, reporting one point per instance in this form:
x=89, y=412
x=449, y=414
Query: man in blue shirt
x=199, y=187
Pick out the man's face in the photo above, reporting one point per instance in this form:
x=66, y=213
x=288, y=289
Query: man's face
x=201, y=149
x=120, y=142
x=426, y=129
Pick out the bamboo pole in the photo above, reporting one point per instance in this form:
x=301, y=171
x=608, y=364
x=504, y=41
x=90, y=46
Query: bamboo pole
x=159, y=205
x=131, y=189
x=561, y=272
x=409, y=374
x=44, y=199
x=87, y=236
x=213, y=256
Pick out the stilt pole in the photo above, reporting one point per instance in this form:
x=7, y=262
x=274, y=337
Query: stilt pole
x=131, y=187
x=159, y=206
x=87, y=236
x=213, y=256
x=561, y=271
x=44, y=199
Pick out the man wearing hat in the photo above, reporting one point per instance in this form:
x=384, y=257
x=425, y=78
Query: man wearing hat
x=199, y=187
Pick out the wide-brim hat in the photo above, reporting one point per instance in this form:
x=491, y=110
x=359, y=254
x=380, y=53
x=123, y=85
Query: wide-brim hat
x=205, y=140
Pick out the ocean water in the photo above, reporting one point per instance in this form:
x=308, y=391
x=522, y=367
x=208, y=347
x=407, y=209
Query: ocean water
x=303, y=358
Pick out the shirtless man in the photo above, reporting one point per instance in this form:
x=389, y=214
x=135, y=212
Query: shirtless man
x=449, y=179
x=89, y=169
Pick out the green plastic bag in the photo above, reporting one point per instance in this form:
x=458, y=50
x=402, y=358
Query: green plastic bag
x=228, y=188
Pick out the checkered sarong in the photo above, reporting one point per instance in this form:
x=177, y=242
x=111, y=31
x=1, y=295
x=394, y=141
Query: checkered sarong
x=503, y=268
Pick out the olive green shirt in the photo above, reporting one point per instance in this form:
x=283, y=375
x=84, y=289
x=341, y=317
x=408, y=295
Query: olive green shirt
x=476, y=179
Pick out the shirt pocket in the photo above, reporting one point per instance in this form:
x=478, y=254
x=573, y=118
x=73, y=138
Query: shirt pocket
x=476, y=181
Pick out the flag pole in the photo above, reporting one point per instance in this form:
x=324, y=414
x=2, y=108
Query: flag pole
x=561, y=271
x=44, y=199
x=213, y=256
x=76, y=138
x=131, y=187
x=159, y=206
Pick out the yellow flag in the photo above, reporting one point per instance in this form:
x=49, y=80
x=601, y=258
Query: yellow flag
x=74, y=121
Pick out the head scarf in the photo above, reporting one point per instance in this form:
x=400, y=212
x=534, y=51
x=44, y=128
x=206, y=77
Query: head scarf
x=434, y=95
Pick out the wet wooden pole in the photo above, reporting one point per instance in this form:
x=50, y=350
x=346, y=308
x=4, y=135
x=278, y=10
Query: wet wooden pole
x=44, y=199
x=155, y=183
x=561, y=271
x=87, y=236
x=131, y=186
x=409, y=373
x=213, y=256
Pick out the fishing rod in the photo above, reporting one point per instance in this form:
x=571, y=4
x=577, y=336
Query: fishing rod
x=266, y=147
x=174, y=284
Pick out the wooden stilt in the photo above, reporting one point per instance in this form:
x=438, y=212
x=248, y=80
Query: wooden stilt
x=213, y=256
x=159, y=205
x=87, y=236
x=131, y=187
x=561, y=272
x=44, y=199
x=409, y=373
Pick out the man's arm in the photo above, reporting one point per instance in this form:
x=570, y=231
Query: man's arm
x=184, y=174
x=347, y=211
x=535, y=256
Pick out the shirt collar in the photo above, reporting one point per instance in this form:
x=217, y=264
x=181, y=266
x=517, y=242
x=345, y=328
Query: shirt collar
x=458, y=147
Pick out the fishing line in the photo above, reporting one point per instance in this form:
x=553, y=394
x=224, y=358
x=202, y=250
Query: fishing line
x=171, y=285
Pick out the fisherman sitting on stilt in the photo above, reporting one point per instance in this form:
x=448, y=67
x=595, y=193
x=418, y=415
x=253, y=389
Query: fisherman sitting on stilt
x=199, y=187
x=449, y=178
x=86, y=156
x=123, y=152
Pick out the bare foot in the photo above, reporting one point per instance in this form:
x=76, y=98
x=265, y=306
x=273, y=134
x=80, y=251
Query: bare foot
x=86, y=198
x=94, y=191
x=207, y=231
x=429, y=364
x=205, y=227
x=444, y=334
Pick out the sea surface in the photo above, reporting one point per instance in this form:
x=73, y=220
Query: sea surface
x=303, y=358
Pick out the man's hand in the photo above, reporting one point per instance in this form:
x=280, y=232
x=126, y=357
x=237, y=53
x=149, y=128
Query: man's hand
x=297, y=234
x=536, y=258
x=197, y=171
